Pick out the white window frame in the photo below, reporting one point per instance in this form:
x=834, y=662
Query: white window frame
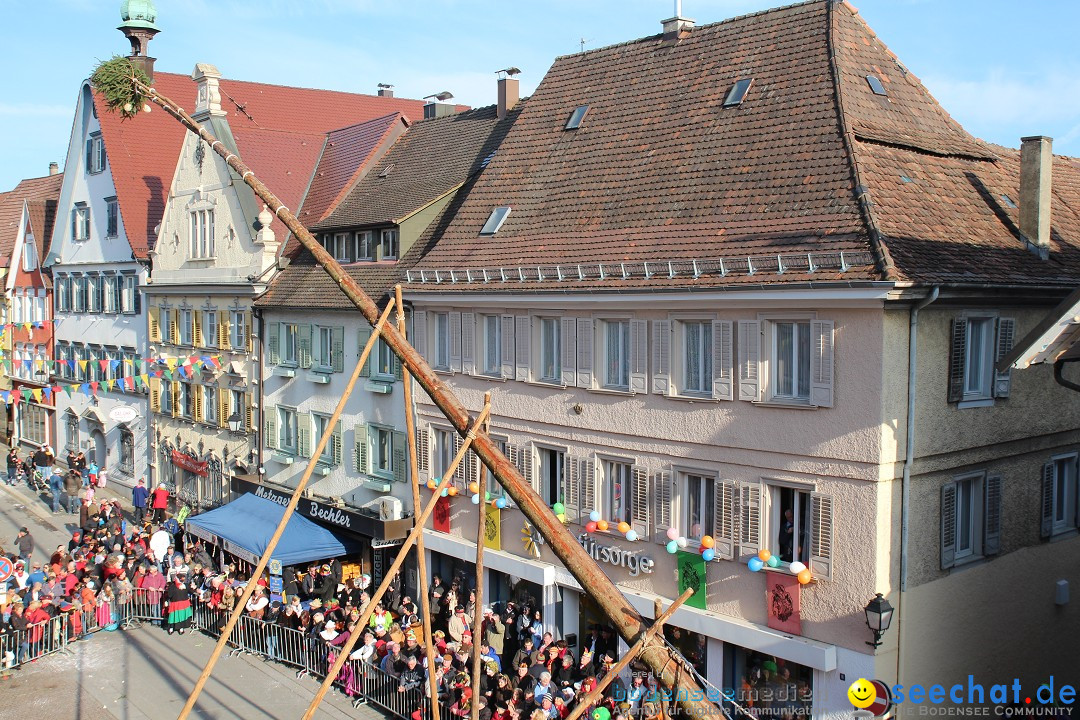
x=491, y=338
x=33, y=424
x=187, y=327
x=210, y=405
x=972, y=484
x=201, y=244
x=80, y=221
x=979, y=367
x=166, y=406
x=442, y=451
x=772, y=518
x=322, y=348
x=96, y=161
x=129, y=293
x=238, y=405
x=441, y=329
x=705, y=371
x=185, y=400
x=389, y=244
x=365, y=245
x=706, y=501
x=376, y=433
x=622, y=353
x=112, y=217
x=29, y=254
x=609, y=468
x=339, y=247
x=210, y=327
x=289, y=339
x=1065, y=508
x=287, y=430
x=549, y=350
x=382, y=362
x=238, y=330
x=109, y=294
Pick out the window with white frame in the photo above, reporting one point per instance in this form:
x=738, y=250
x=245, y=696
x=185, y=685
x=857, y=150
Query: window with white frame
x=384, y=361
x=338, y=247
x=29, y=256
x=323, y=348
x=95, y=154
x=552, y=475
x=78, y=293
x=111, y=284
x=129, y=296
x=698, y=499
x=618, y=491
x=185, y=400
x=210, y=328
x=789, y=523
x=320, y=425
x=37, y=303
x=365, y=245
x=33, y=421
x=166, y=399
x=442, y=341
x=289, y=349
x=786, y=360
x=112, y=217
x=616, y=343
x=96, y=285
x=382, y=450
x=978, y=342
x=201, y=234
x=697, y=357
x=210, y=404
x=388, y=242
x=970, y=518
x=442, y=453
x=80, y=221
x=550, y=350
x=790, y=360
x=63, y=293
x=238, y=330
x=1059, y=496
x=238, y=406
x=286, y=429
x=492, y=345
x=187, y=319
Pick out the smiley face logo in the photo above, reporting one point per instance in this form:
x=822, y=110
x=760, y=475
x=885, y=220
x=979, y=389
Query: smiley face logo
x=862, y=693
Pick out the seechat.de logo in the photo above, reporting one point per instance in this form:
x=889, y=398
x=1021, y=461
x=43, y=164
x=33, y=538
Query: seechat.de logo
x=871, y=697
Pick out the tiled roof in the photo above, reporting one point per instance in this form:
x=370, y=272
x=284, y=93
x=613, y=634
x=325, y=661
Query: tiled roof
x=143, y=151
x=42, y=194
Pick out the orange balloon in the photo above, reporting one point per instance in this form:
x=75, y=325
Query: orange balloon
x=763, y=554
x=804, y=576
x=451, y=490
x=623, y=527
x=432, y=484
x=474, y=488
x=601, y=525
x=707, y=541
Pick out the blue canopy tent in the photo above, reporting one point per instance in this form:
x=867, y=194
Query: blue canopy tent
x=244, y=528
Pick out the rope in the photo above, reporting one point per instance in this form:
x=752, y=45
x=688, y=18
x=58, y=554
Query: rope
x=689, y=667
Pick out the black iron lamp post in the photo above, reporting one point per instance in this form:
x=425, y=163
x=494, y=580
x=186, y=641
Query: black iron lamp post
x=878, y=618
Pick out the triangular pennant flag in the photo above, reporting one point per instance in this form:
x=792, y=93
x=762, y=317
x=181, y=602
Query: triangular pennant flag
x=37, y=394
x=216, y=359
x=28, y=326
x=85, y=388
x=56, y=389
x=7, y=397
x=18, y=364
x=130, y=382
x=113, y=364
x=120, y=384
x=94, y=386
x=171, y=362
x=82, y=365
x=103, y=364
x=16, y=395
x=48, y=393
x=109, y=384
x=67, y=389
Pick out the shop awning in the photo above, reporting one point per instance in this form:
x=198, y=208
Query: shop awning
x=244, y=527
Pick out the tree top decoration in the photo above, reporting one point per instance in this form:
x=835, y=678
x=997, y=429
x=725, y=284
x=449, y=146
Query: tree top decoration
x=124, y=86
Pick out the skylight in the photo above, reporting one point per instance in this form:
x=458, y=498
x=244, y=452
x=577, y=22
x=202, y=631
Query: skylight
x=875, y=85
x=576, y=117
x=1008, y=201
x=486, y=161
x=495, y=220
x=738, y=92
x=387, y=170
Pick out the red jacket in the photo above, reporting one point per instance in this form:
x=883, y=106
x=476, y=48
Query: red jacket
x=160, y=498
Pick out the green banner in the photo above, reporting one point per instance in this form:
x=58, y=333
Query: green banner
x=692, y=575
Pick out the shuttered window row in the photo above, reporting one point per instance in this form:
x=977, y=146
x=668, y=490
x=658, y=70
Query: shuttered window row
x=195, y=328
x=206, y=404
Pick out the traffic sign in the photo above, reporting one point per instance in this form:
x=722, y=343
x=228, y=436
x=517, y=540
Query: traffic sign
x=6, y=569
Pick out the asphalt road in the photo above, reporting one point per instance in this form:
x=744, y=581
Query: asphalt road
x=142, y=673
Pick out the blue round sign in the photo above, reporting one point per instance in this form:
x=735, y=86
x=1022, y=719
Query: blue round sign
x=6, y=569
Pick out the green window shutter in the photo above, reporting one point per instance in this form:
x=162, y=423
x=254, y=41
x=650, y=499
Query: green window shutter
x=272, y=351
x=337, y=349
x=948, y=525
x=303, y=434
x=271, y=427
x=303, y=334
x=335, y=444
x=362, y=338
x=399, y=370
x=361, y=435
x=401, y=466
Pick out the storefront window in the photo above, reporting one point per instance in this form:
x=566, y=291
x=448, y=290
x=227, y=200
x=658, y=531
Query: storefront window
x=768, y=684
x=692, y=646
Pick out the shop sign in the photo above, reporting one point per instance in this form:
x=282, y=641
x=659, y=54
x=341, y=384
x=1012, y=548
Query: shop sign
x=123, y=414
x=277, y=584
x=632, y=560
x=492, y=527
x=692, y=574
x=387, y=543
x=440, y=519
x=783, y=595
x=240, y=552
x=186, y=462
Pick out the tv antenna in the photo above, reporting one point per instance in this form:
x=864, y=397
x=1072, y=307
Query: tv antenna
x=582, y=42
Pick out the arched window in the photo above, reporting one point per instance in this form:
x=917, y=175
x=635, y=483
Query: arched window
x=127, y=451
x=72, y=421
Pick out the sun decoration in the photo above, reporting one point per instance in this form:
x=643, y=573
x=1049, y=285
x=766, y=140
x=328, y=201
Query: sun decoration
x=531, y=539
x=123, y=86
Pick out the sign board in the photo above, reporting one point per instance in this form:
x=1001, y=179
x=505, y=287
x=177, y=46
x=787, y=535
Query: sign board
x=783, y=595
x=6, y=569
x=276, y=584
x=189, y=463
x=123, y=414
x=274, y=566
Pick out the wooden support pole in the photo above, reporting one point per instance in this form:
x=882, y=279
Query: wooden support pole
x=241, y=602
x=421, y=557
x=478, y=606
x=418, y=529
x=628, y=657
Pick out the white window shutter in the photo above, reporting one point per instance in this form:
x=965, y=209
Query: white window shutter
x=1047, y=525
x=423, y=452
x=508, y=345
x=303, y=340
x=468, y=343
x=272, y=352
x=749, y=353
x=419, y=333
x=588, y=486
x=821, y=363
x=399, y=456
x=948, y=525
x=957, y=359
x=1006, y=331
x=455, y=341
x=661, y=379
x=522, y=338
x=303, y=434
x=723, y=387
x=337, y=349
x=749, y=518
x=639, y=511
x=639, y=356
x=572, y=488
x=663, y=498
x=992, y=515
x=470, y=463
x=584, y=352
x=459, y=474
x=527, y=458
x=568, y=343
x=821, y=534
x=360, y=444
x=335, y=444
x=363, y=334
x=270, y=429
x=724, y=509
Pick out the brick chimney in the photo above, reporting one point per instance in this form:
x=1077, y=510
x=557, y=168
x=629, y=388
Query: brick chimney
x=386, y=90
x=1036, y=169
x=508, y=94
x=54, y=168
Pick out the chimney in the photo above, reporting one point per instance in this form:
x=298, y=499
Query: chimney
x=386, y=90
x=436, y=105
x=54, y=168
x=1036, y=168
x=139, y=28
x=208, y=93
x=508, y=94
x=678, y=27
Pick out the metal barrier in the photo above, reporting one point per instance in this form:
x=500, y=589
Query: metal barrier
x=36, y=641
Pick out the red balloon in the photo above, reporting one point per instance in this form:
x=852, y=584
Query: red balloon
x=590, y=527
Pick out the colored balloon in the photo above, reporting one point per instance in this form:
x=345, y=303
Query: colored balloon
x=453, y=490
x=558, y=508
x=805, y=576
x=672, y=547
x=445, y=492
x=708, y=555
x=590, y=527
x=796, y=567
x=681, y=541
x=707, y=541
x=601, y=713
x=601, y=525
x=773, y=561
x=561, y=517
x=474, y=488
x=672, y=534
x=755, y=564
x=764, y=555
x=431, y=484
x=500, y=503
x=487, y=496
x=595, y=516
x=475, y=499
x=631, y=535
x=623, y=527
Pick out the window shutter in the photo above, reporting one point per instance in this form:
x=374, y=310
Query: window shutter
x=468, y=343
x=663, y=498
x=423, y=451
x=749, y=352
x=528, y=467
x=303, y=345
x=90, y=155
x=362, y=337
x=196, y=327
x=992, y=515
x=572, y=488
x=568, y=346
x=749, y=517
x=723, y=531
x=459, y=474
x=455, y=341
x=507, y=347
x=174, y=327
x=249, y=334
x=419, y=333
x=174, y=391
x=154, y=327
x=948, y=525
x=584, y=352
x=360, y=435
x=223, y=407
x=639, y=356
x=401, y=465
x=639, y=512
x=196, y=402
x=722, y=387
x=273, y=350
x=155, y=394
x=661, y=382
x=270, y=427
x=821, y=363
x=337, y=349
x=1006, y=331
x=335, y=444
x=249, y=407
x=957, y=359
x=223, y=329
x=821, y=539
x=587, y=473
x=399, y=369
x=469, y=462
x=1047, y=500
x=303, y=435
x=137, y=293
x=522, y=337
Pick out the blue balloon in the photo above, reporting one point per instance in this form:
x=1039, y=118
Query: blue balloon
x=595, y=516
x=672, y=547
x=755, y=564
x=500, y=503
x=631, y=535
x=708, y=554
x=445, y=492
x=476, y=499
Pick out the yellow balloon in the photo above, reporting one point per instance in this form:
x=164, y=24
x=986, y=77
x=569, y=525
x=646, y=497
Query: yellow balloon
x=764, y=555
x=623, y=527
x=601, y=525
x=474, y=488
x=451, y=490
x=804, y=576
x=432, y=484
x=707, y=541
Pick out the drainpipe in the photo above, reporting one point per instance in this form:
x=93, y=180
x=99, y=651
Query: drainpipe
x=909, y=451
x=260, y=420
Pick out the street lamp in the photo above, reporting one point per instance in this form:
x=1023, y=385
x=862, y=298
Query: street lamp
x=878, y=618
x=234, y=421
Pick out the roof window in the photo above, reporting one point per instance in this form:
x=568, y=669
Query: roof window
x=487, y=161
x=875, y=85
x=1008, y=201
x=495, y=220
x=576, y=117
x=387, y=170
x=738, y=91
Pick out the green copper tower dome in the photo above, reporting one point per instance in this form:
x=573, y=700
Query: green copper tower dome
x=138, y=14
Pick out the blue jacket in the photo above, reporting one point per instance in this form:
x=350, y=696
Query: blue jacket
x=139, y=496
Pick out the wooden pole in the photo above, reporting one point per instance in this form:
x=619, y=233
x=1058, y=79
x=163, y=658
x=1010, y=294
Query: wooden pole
x=241, y=603
x=628, y=657
x=478, y=606
x=588, y=573
x=421, y=557
x=418, y=529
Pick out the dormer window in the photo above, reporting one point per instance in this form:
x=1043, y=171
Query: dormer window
x=95, y=154
x=875, y=84
x=576, y=117
x=738, y=91
x=495, y=220
x=388, y=241
x=201, y=234
x=80, y=222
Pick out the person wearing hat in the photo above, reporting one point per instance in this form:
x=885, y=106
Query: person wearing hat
x=160, y=502
x=177, y=604
x=72, y=486
x=25, y=542
x=458, y=624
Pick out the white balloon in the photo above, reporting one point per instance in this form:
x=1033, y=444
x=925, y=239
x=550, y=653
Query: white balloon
x=796, y=567
x=681, y=541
